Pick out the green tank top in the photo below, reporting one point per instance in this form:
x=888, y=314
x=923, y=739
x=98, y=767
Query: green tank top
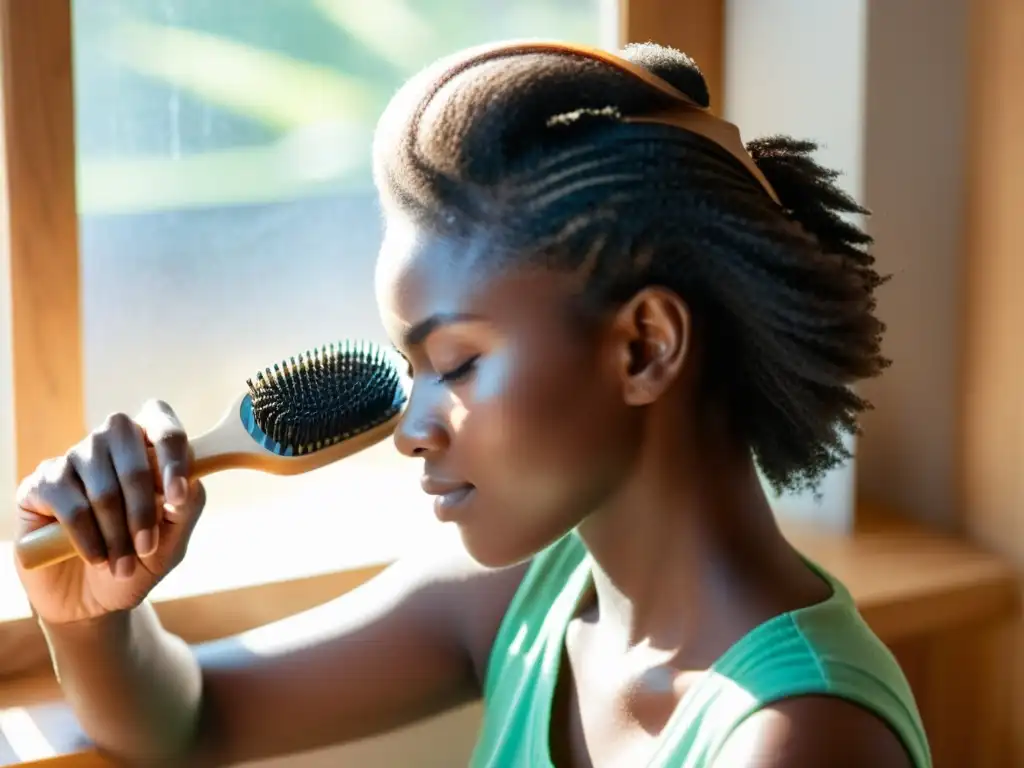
x=824, y=649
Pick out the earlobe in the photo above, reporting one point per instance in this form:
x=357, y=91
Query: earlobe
x=655, y=326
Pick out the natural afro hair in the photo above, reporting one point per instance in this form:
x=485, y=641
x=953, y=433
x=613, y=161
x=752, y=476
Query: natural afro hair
x=532, y=151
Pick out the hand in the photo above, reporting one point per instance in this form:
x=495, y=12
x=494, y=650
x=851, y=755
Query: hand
x=106, y=492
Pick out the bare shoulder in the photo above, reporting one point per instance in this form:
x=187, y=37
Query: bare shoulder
x=814, y=730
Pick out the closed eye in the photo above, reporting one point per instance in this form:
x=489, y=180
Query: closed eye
x=450, y=377
x=460, y=373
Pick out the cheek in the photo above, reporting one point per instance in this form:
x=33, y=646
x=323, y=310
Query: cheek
x=541, y=423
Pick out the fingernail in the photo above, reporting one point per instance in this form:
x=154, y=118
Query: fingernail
x=146, y=541
x=176, y=491
x=124, y=567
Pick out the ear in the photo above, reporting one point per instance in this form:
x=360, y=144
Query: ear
x=653, y=335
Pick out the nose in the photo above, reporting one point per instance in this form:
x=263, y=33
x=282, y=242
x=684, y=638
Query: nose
x=420, y=432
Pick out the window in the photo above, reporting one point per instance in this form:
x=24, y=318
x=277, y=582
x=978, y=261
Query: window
x=228, y=220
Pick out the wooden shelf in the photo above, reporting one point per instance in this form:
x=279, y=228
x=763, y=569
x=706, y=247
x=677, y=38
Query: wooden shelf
x=921, y=592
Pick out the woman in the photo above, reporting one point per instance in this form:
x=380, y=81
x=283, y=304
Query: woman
x=613, y=315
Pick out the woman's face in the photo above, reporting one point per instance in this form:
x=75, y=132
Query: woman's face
x=517, y=412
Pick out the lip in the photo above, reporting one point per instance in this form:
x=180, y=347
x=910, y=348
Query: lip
x=434, y=486
x=449, y=495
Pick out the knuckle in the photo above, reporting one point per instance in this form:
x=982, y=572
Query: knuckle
x=60, y=471
x=151, y=405
x=41, y=483
x=95, y=475
x=34, y=478
x=157, y=409
x=43, y=468
x=115, y=421
x=159, y=421
x=119, y=425
x=84, y=454
x=78, y=516
x=95, y=443
x=162, y=406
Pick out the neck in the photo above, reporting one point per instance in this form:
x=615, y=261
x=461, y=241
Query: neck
x=686, y=545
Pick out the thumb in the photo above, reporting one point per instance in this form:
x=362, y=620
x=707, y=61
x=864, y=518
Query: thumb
x=177, y=525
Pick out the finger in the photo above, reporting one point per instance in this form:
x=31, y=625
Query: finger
x=179, y=523
x=94, y=467
x=165, y=432
x=55, y=491
x=184, y=514
x=130, y=457
x=32, y=513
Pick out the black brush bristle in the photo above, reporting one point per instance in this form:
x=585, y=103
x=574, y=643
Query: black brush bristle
x=325, y=396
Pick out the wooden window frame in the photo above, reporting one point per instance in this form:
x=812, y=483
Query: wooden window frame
x=45, y=272
x=43, y=228
x=914, y=601
x=39, y=143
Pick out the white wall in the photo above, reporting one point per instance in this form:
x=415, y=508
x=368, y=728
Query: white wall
x=882, y=85
x=797, y=68
x=914, y=181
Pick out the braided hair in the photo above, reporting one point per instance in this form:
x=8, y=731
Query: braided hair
x=533, y=152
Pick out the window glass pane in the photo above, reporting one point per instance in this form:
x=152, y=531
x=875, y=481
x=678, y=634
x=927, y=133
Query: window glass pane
x=228, y=217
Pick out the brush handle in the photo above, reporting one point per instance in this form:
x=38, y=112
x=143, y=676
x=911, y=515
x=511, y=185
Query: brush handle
x=52, y=544
x=227, y=446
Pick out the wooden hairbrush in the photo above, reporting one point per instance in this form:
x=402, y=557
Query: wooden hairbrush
x=303, y=414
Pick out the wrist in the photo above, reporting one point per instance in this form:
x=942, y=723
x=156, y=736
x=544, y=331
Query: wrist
x=94, y=629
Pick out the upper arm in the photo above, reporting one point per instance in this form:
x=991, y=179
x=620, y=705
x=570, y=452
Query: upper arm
x=813, y=730
x=400, y=647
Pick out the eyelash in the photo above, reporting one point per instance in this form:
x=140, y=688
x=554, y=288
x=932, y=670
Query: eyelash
x=458, y=374
x=451, y=377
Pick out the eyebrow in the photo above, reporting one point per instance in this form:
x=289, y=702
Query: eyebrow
x=418, y=333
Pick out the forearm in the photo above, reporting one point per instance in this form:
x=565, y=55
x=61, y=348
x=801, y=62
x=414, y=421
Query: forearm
x=135, y=688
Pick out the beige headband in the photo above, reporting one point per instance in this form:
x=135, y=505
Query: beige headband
x=685, y=113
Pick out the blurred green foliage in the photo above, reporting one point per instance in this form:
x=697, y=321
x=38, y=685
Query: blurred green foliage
x=192, y=103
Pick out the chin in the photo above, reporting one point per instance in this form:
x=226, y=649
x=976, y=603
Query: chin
x=497, y=546
x=492, y=551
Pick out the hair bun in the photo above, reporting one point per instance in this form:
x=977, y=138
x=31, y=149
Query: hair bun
x=672, y=66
